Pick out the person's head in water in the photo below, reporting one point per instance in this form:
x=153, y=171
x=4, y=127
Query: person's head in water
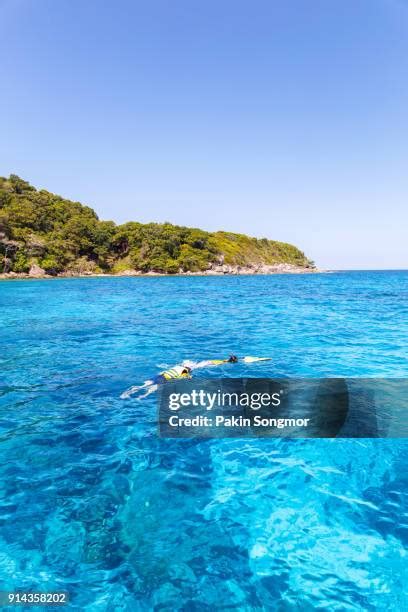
x=232, y=359
x=186, y=371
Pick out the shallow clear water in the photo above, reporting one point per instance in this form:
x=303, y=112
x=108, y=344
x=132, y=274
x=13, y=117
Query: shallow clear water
x=94, y=503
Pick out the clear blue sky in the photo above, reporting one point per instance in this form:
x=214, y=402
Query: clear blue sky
x=285, y=119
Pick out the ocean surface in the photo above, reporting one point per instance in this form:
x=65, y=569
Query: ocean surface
x=94, y=503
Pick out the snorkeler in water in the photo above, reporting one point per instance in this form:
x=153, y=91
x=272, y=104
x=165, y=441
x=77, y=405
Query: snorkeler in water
x=184, y=371
x=175, y=373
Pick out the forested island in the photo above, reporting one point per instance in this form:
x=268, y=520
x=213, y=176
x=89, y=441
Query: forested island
x=44, y=234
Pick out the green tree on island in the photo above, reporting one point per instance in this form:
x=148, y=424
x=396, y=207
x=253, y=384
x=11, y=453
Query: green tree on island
x=60, y=236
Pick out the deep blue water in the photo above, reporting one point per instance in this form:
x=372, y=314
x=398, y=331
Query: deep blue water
x=94, y=503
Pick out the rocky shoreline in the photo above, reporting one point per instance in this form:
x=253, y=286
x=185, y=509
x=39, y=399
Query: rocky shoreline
x=217, y=270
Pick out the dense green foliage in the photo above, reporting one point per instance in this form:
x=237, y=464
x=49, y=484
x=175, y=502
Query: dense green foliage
x=38, y=227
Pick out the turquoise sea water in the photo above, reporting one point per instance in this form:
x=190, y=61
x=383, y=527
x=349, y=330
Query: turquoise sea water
x=92, y=502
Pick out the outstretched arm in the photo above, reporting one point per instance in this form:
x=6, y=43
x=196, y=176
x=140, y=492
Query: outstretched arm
x=132, y=390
